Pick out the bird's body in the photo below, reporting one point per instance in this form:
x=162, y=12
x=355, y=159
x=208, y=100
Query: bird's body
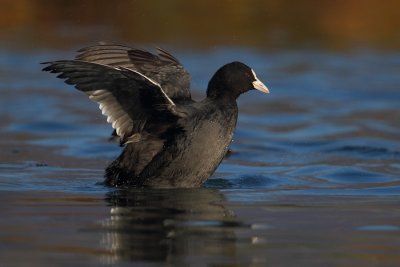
x=170, y=140
x=191, y=151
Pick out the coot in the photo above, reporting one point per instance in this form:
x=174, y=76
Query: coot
x=169, y=140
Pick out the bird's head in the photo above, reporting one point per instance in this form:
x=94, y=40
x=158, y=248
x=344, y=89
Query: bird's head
x=232, y=80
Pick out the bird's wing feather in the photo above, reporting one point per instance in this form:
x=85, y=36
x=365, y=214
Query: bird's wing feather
x=162, y=67
x=129, y=99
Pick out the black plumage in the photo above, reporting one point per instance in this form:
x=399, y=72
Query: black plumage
x=169, y=140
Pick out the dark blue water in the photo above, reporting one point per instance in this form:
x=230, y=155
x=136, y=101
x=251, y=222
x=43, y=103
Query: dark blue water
x=313, y=177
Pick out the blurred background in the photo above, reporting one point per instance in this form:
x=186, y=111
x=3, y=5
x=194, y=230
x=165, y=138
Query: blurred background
x=276, y=24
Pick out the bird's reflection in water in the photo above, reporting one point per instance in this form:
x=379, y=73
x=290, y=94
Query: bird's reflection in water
x=169, y=225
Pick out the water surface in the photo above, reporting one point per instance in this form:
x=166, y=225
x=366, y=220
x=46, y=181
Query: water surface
x=313, y=176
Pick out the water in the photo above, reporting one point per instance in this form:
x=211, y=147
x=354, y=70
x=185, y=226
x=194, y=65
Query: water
x=313, y=177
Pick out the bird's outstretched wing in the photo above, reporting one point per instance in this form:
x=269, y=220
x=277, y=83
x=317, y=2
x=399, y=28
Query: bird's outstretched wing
x=134, y=103
x=162, y=67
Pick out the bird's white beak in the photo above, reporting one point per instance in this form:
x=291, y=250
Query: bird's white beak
x=257, y=84
x=260, y=86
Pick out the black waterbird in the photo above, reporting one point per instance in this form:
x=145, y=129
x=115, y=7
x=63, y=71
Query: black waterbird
x=169, y=139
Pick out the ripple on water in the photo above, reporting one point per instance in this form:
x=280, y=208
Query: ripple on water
x=353, y=175
x=366, y=152
x=379, y=228
x=43, y=127
x=243, y=181
x=38, y=176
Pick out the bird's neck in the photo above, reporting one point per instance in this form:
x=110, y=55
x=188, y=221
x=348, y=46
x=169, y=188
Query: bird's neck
x=221, y=93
